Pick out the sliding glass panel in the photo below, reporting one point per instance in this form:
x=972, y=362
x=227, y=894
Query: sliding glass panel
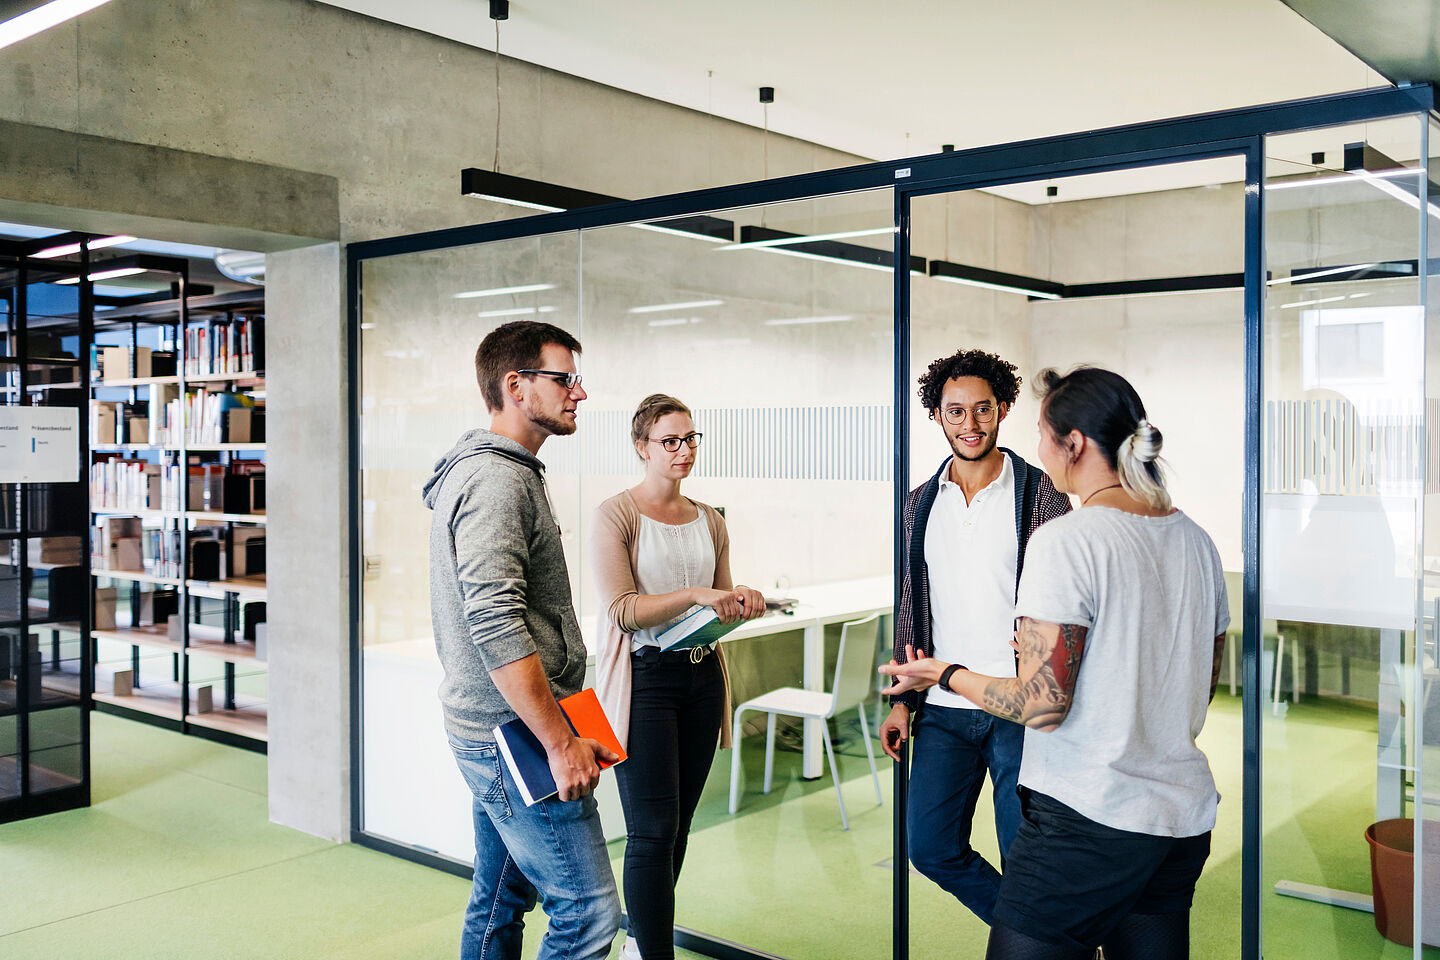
x=424, y=316
x=1425, y=797
x=1091, y=270
x=773, y=325
x=1344, y=476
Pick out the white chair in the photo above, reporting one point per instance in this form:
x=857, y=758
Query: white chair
x=853, y=682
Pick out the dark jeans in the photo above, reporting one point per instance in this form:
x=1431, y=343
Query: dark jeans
x=953, y=748
x=676, y=709
x=1076, y=884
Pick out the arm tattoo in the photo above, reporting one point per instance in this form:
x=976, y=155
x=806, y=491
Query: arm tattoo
x=1043, y=699
x=1215, y=666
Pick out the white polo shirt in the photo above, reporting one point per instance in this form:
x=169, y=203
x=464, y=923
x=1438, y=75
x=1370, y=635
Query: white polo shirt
x=971, y=552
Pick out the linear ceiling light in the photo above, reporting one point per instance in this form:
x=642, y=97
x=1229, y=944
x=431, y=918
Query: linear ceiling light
x=1323, y=181
x=1315, y=275
x=786, y=241
x=1387, y=175
x=688, y=305
x=816, y=248
x=501, y=291
x=515, y=312
x=1390, y=270
x=43, y=17
x=531, y=194
x=797, y=321
x=550, y=198
x=1311, y=303
x=66, y=249
x=107, y=274
x=676, y=321
x=996, y=280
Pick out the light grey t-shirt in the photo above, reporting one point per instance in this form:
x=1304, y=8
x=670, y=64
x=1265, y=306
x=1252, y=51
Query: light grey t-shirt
x=1151, y=594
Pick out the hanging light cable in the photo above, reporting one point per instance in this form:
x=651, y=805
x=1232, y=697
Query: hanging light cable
x=499, y=10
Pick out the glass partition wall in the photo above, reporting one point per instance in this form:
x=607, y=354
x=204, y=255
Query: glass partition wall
x=782, y=352
x=1348, y=479
x=1296, y=421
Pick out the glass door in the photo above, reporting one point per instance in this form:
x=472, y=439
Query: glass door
x=1349, y=584
x=1096, y=270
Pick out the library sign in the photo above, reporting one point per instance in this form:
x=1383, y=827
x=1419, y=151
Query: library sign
x=39, y=444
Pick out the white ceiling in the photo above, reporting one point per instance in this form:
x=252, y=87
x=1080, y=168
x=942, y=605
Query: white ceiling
x=900, y=78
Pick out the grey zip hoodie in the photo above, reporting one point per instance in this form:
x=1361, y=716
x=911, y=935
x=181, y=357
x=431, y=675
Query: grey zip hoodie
x=499, y=587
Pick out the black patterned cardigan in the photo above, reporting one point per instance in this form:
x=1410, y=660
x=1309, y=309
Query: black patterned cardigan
x=1036, y=502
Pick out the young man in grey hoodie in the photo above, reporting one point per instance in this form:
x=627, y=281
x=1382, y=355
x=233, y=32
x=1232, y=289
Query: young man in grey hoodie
x=508, y=639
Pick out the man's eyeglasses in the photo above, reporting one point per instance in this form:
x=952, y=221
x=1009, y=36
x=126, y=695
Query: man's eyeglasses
x=983, y=413
x=567, y=380
x=671, y=444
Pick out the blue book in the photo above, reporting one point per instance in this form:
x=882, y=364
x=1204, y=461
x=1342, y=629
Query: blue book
x=526, y=758
x=698, y=628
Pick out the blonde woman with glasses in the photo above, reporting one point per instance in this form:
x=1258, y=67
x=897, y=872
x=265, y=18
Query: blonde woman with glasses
x=657, y=555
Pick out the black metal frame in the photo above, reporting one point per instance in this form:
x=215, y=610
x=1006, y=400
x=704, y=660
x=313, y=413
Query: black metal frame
x=1225, y=133
x=27, y=803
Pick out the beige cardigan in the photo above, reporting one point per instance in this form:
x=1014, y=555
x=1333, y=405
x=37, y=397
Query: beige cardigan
x=614, y=542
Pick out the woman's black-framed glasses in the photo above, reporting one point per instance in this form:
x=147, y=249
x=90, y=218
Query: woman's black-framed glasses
x=671, y=444
x=983, y=413
x=567, y=380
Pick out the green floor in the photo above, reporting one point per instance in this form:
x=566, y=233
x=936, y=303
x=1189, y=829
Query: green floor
x=176, y=858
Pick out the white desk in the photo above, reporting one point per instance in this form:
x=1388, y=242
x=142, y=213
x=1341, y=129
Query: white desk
x=413, y=792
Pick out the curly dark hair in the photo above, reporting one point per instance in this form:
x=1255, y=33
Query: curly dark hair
x=1004, y=381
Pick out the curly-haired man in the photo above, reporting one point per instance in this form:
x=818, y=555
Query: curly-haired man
x=965, y=533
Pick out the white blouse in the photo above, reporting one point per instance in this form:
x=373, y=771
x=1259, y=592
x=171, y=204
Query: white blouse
x=671, y=556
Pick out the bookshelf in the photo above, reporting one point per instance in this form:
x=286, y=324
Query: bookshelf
x=44, y=568
x=177, y=514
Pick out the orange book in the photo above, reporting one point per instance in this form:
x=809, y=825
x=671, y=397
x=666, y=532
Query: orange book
x=526, y=758
x=588, y=720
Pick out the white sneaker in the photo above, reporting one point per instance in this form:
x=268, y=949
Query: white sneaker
x=630, y=949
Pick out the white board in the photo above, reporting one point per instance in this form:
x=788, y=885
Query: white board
x=39, y=444
x=1346, y=560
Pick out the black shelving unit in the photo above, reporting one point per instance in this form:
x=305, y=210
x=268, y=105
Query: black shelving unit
x=45, y=661
x=165, y=690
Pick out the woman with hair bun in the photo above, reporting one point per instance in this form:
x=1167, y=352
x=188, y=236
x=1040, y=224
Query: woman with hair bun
x=658, y=555
x=1122, y=626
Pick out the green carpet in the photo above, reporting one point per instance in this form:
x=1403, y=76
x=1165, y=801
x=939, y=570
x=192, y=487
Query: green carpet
x=176, y=858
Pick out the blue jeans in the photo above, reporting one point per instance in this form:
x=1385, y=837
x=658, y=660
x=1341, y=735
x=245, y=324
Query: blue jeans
x=553, y=851
x=953, y=747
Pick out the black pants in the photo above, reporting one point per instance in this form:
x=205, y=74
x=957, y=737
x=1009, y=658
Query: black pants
x=676, y=708
x=1072, y=884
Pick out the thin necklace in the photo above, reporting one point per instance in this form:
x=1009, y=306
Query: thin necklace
x=1092, y=496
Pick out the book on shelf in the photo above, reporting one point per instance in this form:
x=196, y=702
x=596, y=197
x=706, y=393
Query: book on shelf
x=217, y=488
x=119, y=483
x=162, y=402
x=247, y=558
x=115, y=544
x=526, y=759
x=207, y=415
x=698, y=628
x=232, y=346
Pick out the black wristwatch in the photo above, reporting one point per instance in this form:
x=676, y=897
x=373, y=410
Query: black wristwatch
x=947, y=674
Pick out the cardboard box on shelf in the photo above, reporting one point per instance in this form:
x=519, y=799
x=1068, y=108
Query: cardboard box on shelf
x=126, y=554
x=104, y=608
x=122, y=683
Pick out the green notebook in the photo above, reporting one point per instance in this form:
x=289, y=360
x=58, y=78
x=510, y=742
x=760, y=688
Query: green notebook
x=698, y=628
